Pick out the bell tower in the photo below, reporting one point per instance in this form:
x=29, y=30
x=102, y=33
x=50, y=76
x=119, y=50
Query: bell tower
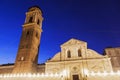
x=27, y=55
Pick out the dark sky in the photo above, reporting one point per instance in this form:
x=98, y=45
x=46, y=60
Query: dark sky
x=95, y=21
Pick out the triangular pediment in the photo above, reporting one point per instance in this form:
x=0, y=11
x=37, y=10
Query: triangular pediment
x=73, y=42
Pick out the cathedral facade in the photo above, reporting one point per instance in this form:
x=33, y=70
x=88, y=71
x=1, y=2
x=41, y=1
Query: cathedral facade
x=77, y=60
x=74, y=59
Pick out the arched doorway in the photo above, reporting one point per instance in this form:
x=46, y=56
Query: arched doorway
x=75, y=73
x=75, y=77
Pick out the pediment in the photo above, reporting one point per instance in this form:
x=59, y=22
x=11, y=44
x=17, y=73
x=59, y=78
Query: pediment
x=73, y=42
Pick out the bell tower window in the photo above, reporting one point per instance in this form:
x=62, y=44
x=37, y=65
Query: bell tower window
x=27, y=33
x=79, y=53
x=37, y=35
x=31, y=20
x=38, y=22
x=68, y=54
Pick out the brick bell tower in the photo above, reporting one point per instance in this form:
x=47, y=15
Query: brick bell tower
x=27, y=55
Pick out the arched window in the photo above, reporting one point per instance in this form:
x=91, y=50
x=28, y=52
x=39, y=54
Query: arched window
x=68, y=54
x=38, y=22
x=27, y=34
x=79, y=53
x=31, y=19
x=37, y=35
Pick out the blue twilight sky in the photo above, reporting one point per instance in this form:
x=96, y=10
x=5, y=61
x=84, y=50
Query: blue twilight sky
x=94, y=21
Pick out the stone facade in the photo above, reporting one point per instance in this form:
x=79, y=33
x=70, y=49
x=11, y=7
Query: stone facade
x=114, y=54
x=77, y=60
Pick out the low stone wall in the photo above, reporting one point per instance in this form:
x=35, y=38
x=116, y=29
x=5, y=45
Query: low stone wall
x=31, y=77
x=6, y=69
x=104, y=76
x=36, y=78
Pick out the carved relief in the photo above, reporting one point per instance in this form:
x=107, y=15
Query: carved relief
x=74, y=69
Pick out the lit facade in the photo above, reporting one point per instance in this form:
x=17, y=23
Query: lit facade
x=77, y=60
x=74, y=62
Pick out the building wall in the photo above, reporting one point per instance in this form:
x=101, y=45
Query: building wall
x=8, y=68
x=41, y=68
x=114, y=54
